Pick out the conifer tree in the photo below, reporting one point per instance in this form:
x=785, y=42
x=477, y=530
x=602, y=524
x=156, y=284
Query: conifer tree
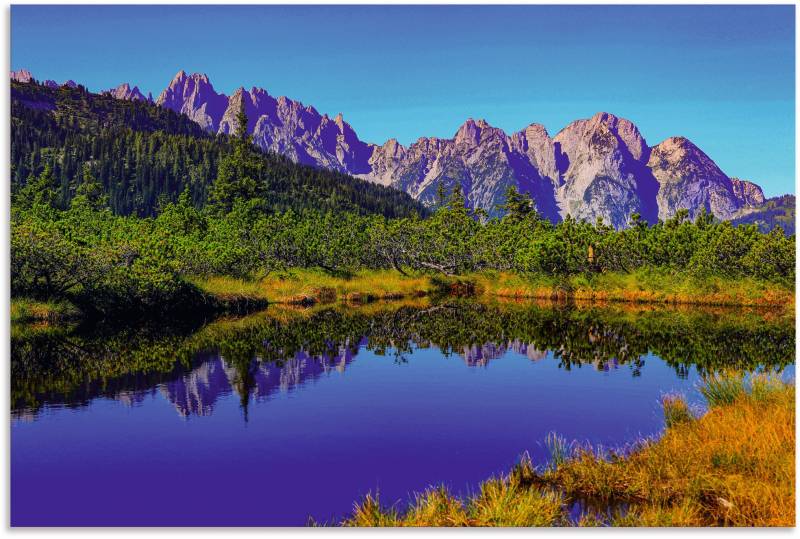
x=239, y=177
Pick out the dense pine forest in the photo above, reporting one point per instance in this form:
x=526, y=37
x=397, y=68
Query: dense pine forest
x=119, y=206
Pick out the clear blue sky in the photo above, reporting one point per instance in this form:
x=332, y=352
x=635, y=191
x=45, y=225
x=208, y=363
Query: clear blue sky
x=723, y=76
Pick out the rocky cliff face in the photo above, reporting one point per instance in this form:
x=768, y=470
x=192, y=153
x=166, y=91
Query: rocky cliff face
x=605, y=171
x=596, y=168
x=195, y=97
x=748, y=193
x=689, y=179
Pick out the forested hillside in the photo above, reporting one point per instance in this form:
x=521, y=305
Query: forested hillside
x=778, y=211
x=122, y=208
x=145, y=155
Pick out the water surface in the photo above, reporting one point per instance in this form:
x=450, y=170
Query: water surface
x=287, y=415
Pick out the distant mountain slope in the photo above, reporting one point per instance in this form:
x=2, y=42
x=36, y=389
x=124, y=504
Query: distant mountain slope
x=143, y=153
x=778, y=211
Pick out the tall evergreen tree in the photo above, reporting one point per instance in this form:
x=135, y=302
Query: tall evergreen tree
x=240, y=175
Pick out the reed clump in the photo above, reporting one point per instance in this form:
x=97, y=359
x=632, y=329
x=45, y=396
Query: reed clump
x=676, y=410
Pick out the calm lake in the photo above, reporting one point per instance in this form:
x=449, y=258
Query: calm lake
x=287, y=415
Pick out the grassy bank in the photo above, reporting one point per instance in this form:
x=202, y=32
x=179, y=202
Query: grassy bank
x=222, y=294
x=734, y=466
x=306, y=286
x=644, y=286
x=27, y=310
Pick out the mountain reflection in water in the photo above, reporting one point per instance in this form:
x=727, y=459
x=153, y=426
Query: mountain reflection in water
x=278, y=350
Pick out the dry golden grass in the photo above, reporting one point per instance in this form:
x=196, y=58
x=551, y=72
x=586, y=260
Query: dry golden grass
x=643, y=286
x=306, y=286
x=501, y=502
x=734, y=466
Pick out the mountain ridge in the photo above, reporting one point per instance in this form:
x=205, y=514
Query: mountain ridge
x=594, y=168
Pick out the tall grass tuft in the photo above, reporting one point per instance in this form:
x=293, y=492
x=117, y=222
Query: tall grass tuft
x=722, y=389
x=676, y=410
x=558, y=448
x=370, y=513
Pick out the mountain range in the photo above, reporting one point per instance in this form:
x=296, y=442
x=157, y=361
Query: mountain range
x=595, y=168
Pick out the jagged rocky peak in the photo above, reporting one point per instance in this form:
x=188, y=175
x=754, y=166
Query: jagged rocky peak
x=21, y=75
x=602, y=165
x=124, y=91
x=601, y=133
x=535, y=144
x=673, y=158
x=748, y=193
x=228, y=123
x=473, y=132
x=339, y=121
x=184, y=86
x=393, y=148
x=194, y=96
x=535, y=132
x=626, y=131
x=689, y=179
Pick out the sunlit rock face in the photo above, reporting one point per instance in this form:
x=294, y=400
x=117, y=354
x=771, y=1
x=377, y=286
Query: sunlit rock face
x=194, y=96
x=606, y=175
x=598, y=168
x=300, y=132
x=689, y=179
x=748, y=193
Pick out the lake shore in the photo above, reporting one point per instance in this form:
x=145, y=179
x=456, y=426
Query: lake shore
x=315, y=286
x=221, y=295
x=732, y=466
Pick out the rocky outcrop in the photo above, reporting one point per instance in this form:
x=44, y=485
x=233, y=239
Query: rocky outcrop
x=124, y=91
x=748, y=193
x=689, y=179
x=21, y=75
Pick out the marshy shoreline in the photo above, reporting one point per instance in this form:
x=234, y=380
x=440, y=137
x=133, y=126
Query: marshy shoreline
x=221, y=295
x=731, y=466
x=309, y=286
